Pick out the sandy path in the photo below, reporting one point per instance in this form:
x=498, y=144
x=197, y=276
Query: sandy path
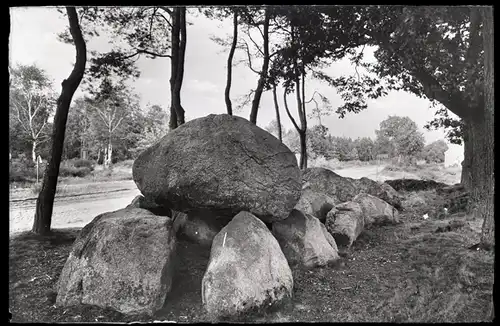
x=72, y=211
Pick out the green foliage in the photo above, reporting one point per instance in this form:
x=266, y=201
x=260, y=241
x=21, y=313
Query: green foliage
x=365, y=148
x=432, y=52
x=310, y=40
x=75, y=168
x=132, y=129
x=400, y=136
x=135, y=31
x=318, y=143
x=453, y=127
x=23, y=169
x=154, y=126
x=31, y=102
x=434, y=152
x=84, y=163
x=112, y=112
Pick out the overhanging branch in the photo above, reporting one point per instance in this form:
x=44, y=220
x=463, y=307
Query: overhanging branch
x=434, y=91
x=431, y=86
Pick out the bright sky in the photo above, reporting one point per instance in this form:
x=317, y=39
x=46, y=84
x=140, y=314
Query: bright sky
x=33, y=40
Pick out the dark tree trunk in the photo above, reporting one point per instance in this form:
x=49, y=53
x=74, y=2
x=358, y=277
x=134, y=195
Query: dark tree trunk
x=174, y=64
x=45, y=201
x=230, y=64
x=277, y=108
x=466, y=177
x=304, y=121
x=295, y=125
x=303, y=150
x=263, y=74
x=180, y=70
x=483, y=193
x=178, y=50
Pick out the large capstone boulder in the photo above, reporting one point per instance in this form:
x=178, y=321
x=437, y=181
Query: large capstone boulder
x=375, y=210
x=196, y=227
x=146, y=203
x=221, y=163
x=325, y=181
x=247, y=270
x=303, y=241
x=345, y=222
x=315, y=203
x=121, y=260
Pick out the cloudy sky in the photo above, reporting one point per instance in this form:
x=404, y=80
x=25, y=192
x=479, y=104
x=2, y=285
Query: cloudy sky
x=33, y=40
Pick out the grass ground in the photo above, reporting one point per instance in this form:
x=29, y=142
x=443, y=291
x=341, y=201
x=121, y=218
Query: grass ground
x=396, y=273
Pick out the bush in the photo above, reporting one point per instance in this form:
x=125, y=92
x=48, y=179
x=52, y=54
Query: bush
x=71, y=171
x=22, y=170
x=84, y=164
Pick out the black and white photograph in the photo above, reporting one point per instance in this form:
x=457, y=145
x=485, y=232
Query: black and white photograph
x=251, y=164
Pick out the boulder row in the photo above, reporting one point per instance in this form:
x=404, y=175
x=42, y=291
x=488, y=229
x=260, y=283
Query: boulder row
x=303, y=241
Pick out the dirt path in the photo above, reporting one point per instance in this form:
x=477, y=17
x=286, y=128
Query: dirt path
x=74, y=211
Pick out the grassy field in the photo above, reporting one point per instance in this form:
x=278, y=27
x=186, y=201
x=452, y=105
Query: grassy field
x=416, y=271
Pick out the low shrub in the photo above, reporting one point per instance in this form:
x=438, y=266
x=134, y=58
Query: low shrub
x=22, y=170
x=80, y=163
x=71, y=171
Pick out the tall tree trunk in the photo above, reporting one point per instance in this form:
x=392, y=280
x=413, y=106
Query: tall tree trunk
x=178, y=50
x=303, y=150
x=180, y=69
x=303, y=126
x=227, y=98
x=466, y=176
x=174, y=66
x=483, y=193
x=263, y=74
x=33, y=151
x=45, y=201
x=277, y=108
x=295, y=125
x=304, y=119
